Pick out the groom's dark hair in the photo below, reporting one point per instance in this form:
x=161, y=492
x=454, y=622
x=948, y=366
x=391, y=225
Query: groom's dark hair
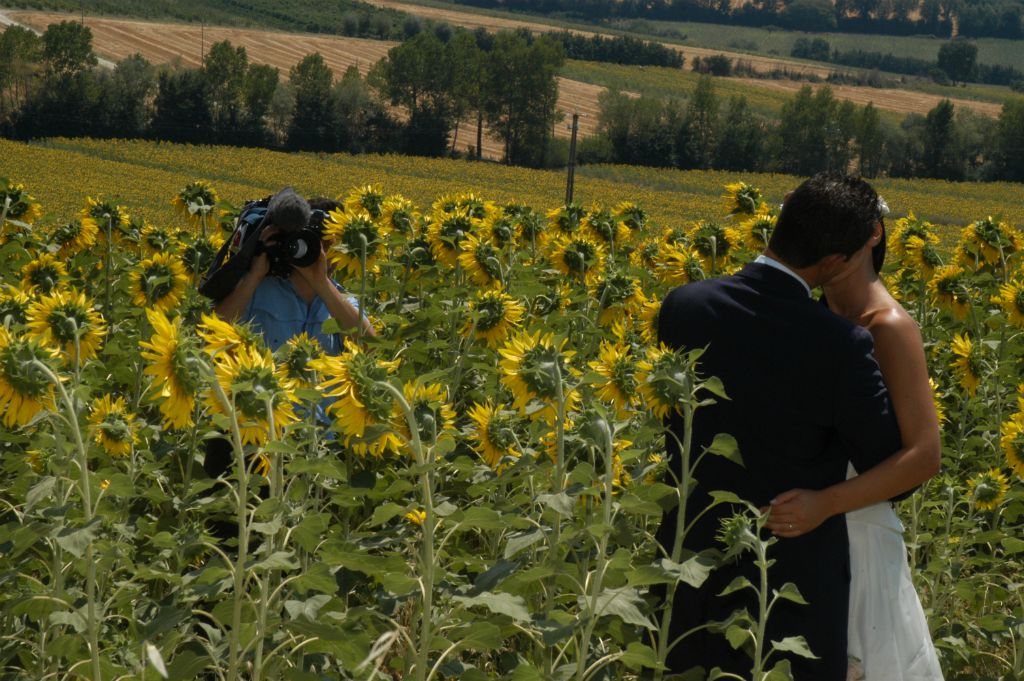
x=829, y=213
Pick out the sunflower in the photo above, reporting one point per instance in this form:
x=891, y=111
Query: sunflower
x=646, y=255
x=416, y=256
x=42, y=274
x=988, y=489
x=435, y=418
x=17, y=204
x=477, y=208
x=500, y=230
x=13, y=306
x=113, y=423
x=1012, y=441
x=73, y=237
x=578, y=257
x=1011, y=299
x=198, y=254
x=631, y=215
x=921, y=256
x=940, y=410
x=558, y=298
x=157, y=239
x=25, y=389
x=675, y=236
x=398, y=214
x=221, y=337
x=173, y=368
x=496, y=315
x=988, y=242
x=680, y=265
x=62, y=318
x=494, y=437
x=355, y=236
x=968, y=363
x=757, y=230
x=353, y=378
x=742, y=198
x=617, y=366
x=530, y=228
x=658, y=376
x=618, y=295
x=950, y=289
x=158, y=281
x=605, y=227
x=904, y=229
x=566, y=220
x=295, y=358
x=367, y=199
x=98, y=216
x=446, y=203
x=446, y=233
x=261, y=393
x=715, y=245
x=532, y=366
x=482, y=261
x=649, y=321
x=195, y=198
x=417, y=516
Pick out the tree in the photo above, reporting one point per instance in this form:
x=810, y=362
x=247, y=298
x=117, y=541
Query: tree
x=939, y=141
x=224, y=69
x=521, y=95
x=810, y=15
x=1008, y=145
x=361, y=122
x=312, y=124
x=417, y=76
x=741, y=138
x=800, y=145
x=258, y=89
x=869, y=141
x=21, y=53
x=181, y=108
x=67, y=49
x=468, y=63
x=958, y=59
x=640, y=130
x=695, y=144
x=124, y=98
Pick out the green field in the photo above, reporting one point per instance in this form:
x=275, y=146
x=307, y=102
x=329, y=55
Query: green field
x=145, y=175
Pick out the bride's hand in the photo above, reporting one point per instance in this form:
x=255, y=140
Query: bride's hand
x=797, y=512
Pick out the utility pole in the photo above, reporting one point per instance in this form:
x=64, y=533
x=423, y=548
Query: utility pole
x=572, y=159
x=202, y=42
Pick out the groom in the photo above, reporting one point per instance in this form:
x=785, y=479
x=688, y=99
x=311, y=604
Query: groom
x=805, y=397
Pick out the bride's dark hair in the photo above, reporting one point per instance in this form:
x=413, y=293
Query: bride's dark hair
x=878, y=252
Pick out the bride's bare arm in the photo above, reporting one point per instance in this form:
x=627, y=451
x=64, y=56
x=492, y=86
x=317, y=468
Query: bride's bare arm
x=900, y=354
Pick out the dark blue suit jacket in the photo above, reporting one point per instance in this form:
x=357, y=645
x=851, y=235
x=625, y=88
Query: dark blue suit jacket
x=806, y=397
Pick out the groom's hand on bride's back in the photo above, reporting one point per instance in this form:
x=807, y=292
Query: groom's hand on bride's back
x=797, y=512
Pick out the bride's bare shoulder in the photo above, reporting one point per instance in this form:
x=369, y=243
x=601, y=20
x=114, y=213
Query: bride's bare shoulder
x=890, y=324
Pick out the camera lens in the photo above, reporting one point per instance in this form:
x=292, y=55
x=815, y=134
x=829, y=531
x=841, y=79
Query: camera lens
x=304, y=248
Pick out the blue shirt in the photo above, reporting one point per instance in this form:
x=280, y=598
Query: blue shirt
x=279, y=313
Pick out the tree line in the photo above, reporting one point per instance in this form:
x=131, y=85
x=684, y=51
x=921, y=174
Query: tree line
x=815, y=131
x=976, y=18
x=50, y=86
x=957, y=61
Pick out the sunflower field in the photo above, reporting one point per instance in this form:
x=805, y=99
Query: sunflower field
x=482, y=499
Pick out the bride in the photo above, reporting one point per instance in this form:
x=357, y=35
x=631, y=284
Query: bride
x=888, y=634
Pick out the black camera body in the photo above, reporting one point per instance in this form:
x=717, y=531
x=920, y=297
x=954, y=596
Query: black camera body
x=290, y=249
x=295, y=243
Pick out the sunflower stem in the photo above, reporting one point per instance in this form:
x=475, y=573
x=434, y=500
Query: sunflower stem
x=109, y=262
x=238, y=570
x=92, y=626
x=266, y=583
x=602, y=550
x=427, y=546
x=682, y=493
x=363, y=245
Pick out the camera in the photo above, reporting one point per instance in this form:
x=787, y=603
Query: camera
x=295, y=248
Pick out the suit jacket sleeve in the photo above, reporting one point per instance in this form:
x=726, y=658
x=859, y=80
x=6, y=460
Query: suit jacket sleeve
x=864, y=414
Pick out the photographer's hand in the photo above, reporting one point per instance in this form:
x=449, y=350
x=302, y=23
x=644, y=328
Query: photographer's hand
x=235, y=303
x=345, y=313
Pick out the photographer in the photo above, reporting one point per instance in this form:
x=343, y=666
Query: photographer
x=284, y=301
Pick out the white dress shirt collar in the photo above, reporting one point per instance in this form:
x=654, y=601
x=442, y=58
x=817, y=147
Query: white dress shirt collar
x=771, y=262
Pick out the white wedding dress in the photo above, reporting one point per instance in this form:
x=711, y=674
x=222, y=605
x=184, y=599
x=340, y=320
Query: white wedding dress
x=888, y=633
